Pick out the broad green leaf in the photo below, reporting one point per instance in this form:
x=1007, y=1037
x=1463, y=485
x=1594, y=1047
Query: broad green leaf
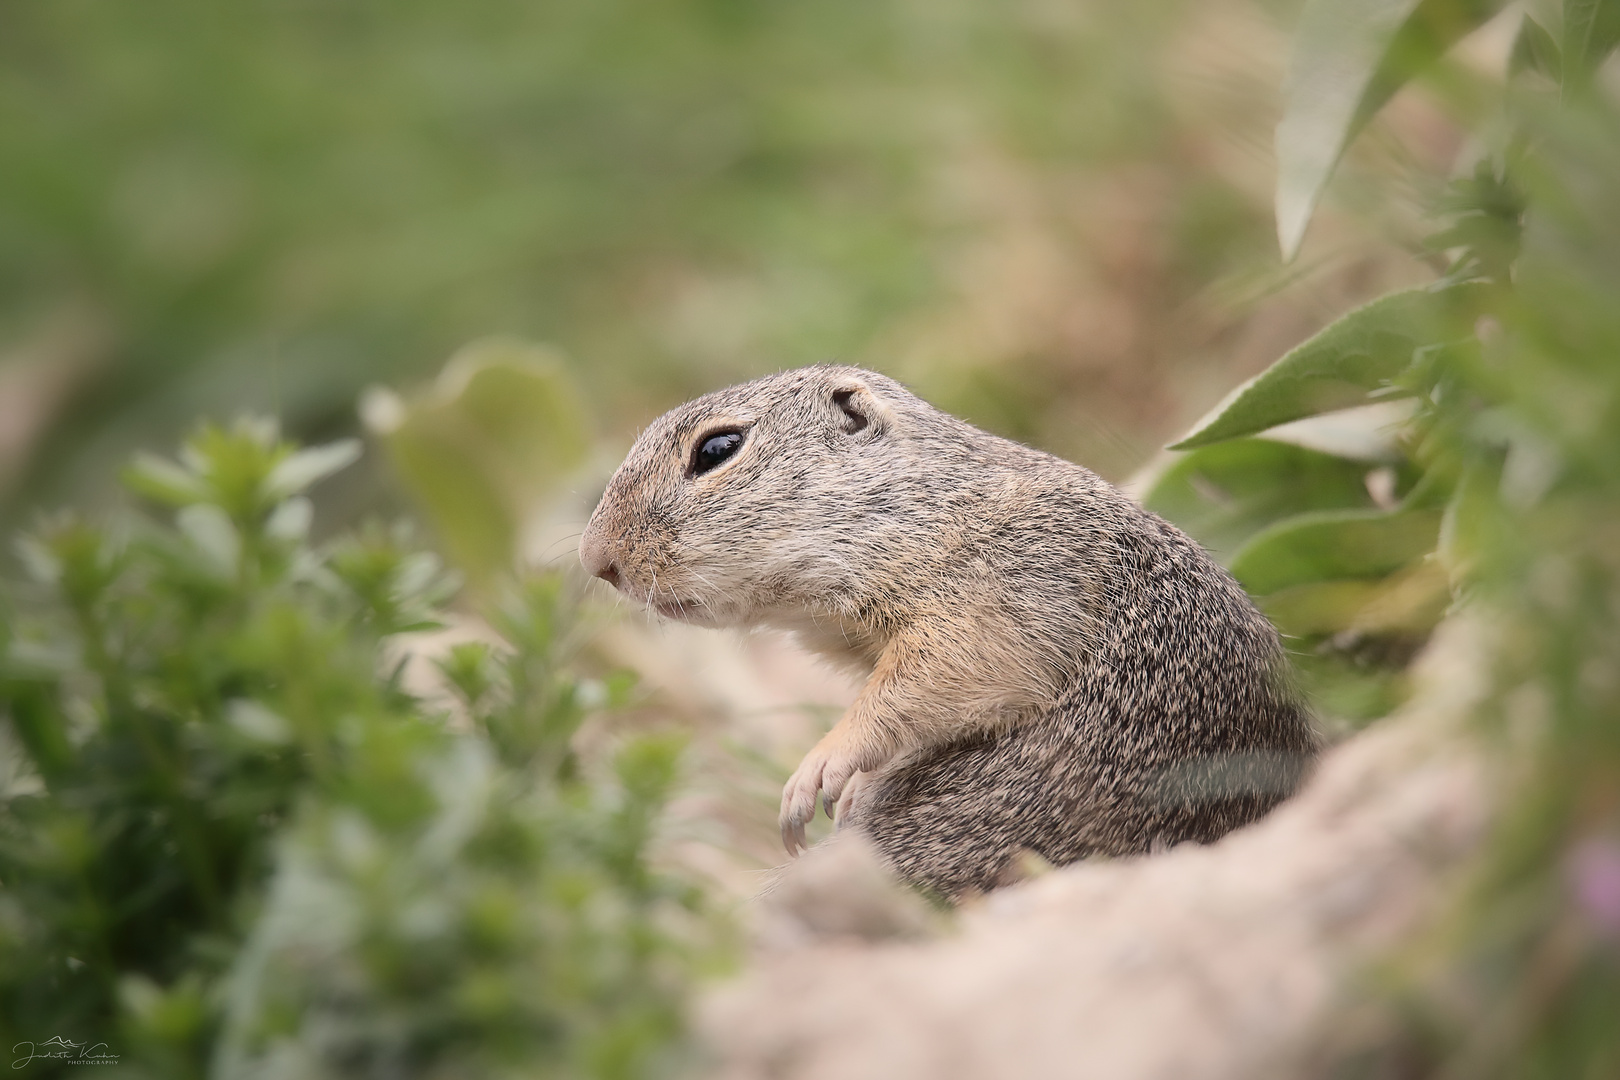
x=1473, y=521
x=1361, y=352
x=1410, y=601
x=470, y=512
x=1591, y=31
x=1334, y=546
x=1348, y=60
x=1225, y=493
x=1345, y=692
x=485, y=446
x=1318, y=608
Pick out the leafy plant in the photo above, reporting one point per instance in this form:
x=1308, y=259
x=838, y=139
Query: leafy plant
x=232, y=840
x=1496, y=490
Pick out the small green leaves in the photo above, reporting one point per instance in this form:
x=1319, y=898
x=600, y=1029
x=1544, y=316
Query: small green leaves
x=74, y=557
x=1348, y=60
x=470, y=669
x=246, y=470
x=1486, y=224
x=1360, y=354
x=399, y=589
x=237, y=810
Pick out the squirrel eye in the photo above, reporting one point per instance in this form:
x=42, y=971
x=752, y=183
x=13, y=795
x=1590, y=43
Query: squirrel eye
x=715, y=449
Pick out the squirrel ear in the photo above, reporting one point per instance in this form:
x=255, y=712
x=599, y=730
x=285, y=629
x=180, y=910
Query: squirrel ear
x=861, y=408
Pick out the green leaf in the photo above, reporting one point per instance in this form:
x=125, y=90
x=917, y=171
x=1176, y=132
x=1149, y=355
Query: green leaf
x=214, y=536
x=1485, y=215
x=38, y=559
x=1361, y=352
x=255, y=721
x=1409, y=602
x=163, y=481
x=1225, y=493
x=480, y=452
x=1318, y=608
x=1334, y=546
x=298, y=471
x=1591, y=31
x=290, y=521
x=1347, y=694
x=1348, y=60
x=1535, y=50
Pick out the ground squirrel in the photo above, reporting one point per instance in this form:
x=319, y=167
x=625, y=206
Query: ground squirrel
x=1049, y=667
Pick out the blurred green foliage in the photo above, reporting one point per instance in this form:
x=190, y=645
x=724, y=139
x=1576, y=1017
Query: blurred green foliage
x=234, y=842
x=1502, y=501
x=271, y=206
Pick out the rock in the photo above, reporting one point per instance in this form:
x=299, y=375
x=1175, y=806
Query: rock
x=1202, y=963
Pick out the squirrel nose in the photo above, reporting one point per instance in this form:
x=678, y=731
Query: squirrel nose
x=597, y=558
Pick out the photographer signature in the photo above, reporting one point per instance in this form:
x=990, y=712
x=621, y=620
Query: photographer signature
x=60, y=1049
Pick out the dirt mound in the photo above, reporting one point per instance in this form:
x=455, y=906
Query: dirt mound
x=1202, y=962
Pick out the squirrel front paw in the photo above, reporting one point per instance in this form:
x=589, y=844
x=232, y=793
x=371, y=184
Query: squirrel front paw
x=825, y=769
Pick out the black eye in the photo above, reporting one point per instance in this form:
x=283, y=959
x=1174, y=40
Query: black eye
x=715, y=449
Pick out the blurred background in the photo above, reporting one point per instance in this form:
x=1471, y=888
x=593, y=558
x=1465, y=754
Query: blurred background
x=493, y=239
x=1049, y=216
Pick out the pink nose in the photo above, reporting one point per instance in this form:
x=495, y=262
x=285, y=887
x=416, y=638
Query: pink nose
x=596, y=555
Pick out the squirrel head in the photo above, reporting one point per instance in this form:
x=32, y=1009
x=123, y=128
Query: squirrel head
x=762, y=501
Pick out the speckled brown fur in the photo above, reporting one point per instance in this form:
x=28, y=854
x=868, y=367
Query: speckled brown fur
x=1049, y=667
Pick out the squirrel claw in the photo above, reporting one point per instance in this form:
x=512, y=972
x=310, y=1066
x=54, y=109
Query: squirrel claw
x=799, y=799
x=823, y=777
x=793, y=831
